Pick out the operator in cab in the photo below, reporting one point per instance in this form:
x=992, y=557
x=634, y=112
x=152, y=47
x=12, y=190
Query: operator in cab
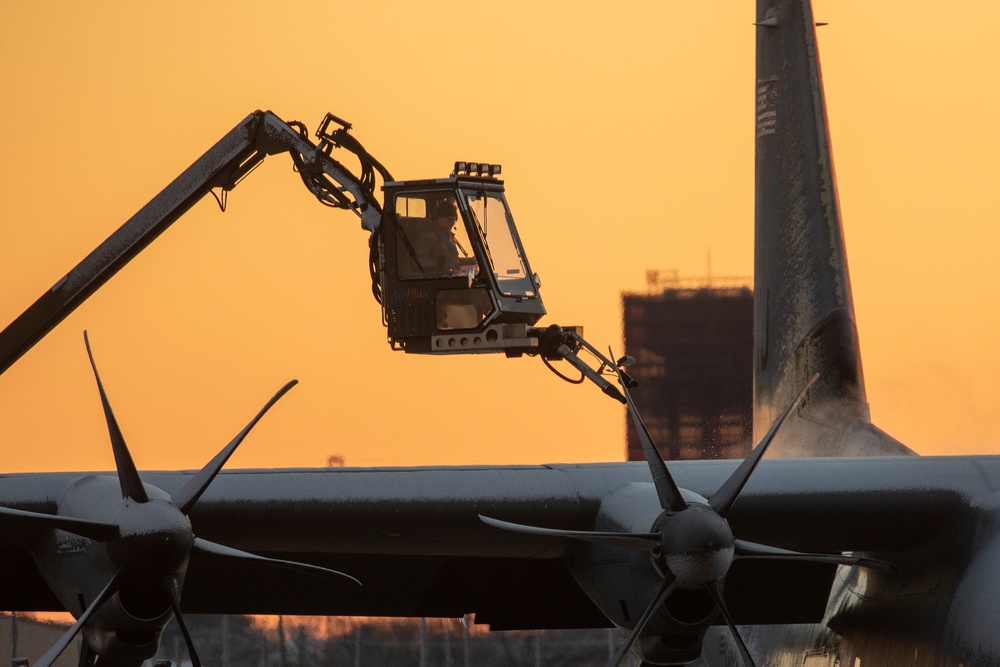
x=437, y=245
x=443, y=243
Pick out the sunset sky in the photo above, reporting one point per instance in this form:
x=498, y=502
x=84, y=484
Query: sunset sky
x=626, y=139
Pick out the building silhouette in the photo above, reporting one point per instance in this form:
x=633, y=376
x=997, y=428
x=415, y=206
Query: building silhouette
x=692, y=340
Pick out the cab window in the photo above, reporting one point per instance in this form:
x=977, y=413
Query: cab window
x=491, y=215
x=431, y=241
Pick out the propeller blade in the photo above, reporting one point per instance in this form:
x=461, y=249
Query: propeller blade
x=56, y=650
x=751, y=550
x=631, y=541
x=662, y=593
x=713, y=589
x=94, y=530
x=723, y=499
x=128, y=476
x=170, y=584
x=215, y=549
x=670, y=496
x=87, y=656
x=189, y=494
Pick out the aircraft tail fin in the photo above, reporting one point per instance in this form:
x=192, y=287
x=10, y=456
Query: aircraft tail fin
x=804, y=313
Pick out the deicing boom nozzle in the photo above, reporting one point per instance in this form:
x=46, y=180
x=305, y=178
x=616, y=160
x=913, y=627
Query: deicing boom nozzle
x=588, y=372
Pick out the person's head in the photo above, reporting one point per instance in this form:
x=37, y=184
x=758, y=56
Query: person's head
x=444, y=214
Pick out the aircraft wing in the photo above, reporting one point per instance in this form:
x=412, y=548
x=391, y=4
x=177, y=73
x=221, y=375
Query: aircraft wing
x=412, y=536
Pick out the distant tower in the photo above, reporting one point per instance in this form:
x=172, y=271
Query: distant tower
x=693, y=344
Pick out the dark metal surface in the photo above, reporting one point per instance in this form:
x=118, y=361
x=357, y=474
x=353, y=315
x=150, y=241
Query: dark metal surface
x=130, y=239
x=414, y=539
x=804, y=320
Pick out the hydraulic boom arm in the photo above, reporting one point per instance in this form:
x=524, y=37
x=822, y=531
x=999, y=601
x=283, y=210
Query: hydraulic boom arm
x=223, y=166
x=446, y=262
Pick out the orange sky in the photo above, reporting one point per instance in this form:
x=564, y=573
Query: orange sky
x=626, y=138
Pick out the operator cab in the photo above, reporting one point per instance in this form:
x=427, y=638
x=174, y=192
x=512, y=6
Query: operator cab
x=455, y=277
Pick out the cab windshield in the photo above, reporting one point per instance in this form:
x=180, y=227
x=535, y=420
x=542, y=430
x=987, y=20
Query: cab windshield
x=490, y=214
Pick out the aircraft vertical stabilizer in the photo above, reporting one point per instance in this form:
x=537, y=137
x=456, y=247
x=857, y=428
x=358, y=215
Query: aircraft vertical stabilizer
x=804, y=315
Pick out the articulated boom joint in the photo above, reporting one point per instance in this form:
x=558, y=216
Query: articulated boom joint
x=557, y=342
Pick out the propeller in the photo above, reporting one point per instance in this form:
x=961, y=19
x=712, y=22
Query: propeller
x=151, y=540
x=691, y=540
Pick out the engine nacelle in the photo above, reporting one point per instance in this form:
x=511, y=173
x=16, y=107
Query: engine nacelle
x=622, y=582
x=120, y=638
x=127, y=628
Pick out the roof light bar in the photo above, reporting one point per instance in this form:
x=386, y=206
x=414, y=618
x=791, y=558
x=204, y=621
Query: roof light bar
x=479, y=169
